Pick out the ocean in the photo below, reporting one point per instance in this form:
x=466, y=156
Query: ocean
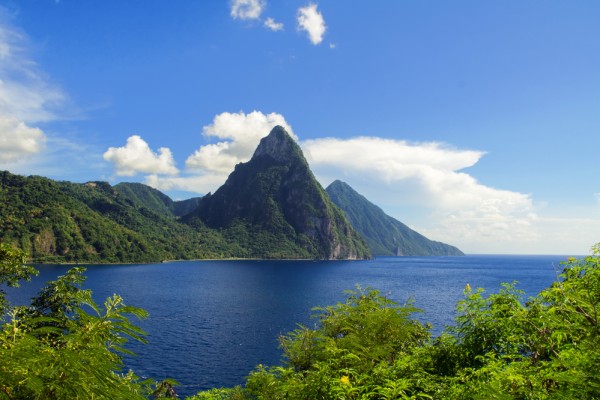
x=212, y=322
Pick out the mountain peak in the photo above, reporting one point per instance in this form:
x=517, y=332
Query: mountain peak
x=279, y=145
x=277, y=209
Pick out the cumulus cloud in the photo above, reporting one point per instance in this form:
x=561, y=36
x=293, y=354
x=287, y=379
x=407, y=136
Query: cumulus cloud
x=137, y=157
x=247, y=9
x=402, y=175
x=273, y=25
x=17, y=139
x=26, y=96
x=311, y=21
x=239, y=135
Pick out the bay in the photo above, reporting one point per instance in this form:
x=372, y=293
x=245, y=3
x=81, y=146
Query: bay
x=212, y=322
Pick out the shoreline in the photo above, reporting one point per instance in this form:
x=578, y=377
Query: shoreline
x=83, y=263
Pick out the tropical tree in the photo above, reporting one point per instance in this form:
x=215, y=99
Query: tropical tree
x=64, y=345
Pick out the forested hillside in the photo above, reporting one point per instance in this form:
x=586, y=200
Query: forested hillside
x=385, y=235
x=273, y=207
x=68, y=222
x=145, y=196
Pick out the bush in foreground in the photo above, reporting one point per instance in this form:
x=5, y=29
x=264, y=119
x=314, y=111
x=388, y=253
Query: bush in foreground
x=499, y=348
x=65, y=346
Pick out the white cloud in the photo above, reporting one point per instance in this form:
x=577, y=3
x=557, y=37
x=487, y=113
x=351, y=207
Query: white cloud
x=201, y=184
x=247, y=9
x=428, y=177
x=311, y=21
x=137, y=157
x=273, y=25
x=18, y=140
x=26, y=96
x=240, y=134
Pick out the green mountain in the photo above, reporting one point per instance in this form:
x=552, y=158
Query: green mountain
x=385, y=235
x=93, y=222
x=273, y=207
x=145, y=196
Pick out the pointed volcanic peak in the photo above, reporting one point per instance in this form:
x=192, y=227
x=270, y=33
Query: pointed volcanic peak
x=385, y=235
x=279, y=146
x=273, y=207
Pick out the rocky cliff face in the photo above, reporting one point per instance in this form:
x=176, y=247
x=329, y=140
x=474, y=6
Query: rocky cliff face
x=274, y=207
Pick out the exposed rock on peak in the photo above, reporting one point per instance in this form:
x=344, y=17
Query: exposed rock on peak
x=279, y=145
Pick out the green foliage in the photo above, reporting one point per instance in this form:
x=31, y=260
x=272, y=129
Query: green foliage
x=273, y=207
x=385, y=235
x=12, y=270
x=92, y=222
x=500, y=348
x=64, y=345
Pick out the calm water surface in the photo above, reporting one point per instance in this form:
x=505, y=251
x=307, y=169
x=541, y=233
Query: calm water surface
x=211, y=322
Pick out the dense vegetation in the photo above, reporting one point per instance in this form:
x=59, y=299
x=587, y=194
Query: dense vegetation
x=270, y=207
x=500, y=348
x=64, y=346
x=67, y=222
x=385, y=235
x=273, y=207
x=144, y=196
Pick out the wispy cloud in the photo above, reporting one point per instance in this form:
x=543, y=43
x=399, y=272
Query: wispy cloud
x=312, y=22
x=137, y=157
x=247, y=9
x=273, y=25
x=26, y=96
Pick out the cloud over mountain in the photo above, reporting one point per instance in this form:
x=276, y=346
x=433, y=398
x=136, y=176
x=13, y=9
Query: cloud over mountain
x=406, y=175
x=17, y=139
x=137, y=157
x=238, y=135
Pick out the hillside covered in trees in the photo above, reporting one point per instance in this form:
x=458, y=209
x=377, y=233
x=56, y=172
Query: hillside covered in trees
x=270, y=207
x=94, y=222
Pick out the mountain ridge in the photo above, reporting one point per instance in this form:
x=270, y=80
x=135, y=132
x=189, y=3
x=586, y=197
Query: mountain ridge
x=270, y=207
x=385, y=235
x=57, y=221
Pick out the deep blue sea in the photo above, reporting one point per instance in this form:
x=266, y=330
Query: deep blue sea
x=212, y=322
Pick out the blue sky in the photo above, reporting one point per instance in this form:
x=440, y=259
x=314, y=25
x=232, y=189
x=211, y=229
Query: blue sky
x=476, y=123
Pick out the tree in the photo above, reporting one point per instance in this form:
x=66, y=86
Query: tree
x=64, y=345
x=501, y=347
